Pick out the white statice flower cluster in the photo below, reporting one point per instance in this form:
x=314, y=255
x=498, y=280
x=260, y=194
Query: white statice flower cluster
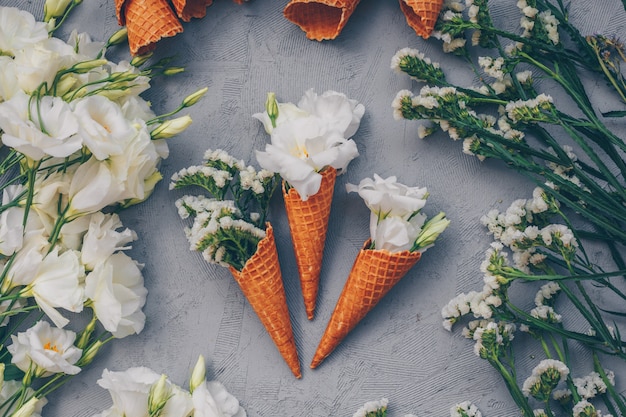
x=491, y=337
x=592, y=385
x=230, y=221
x=584, y=408
x=308, y=137
x=396, y=221
x=531, y=110
x=140, y=391
x=465, y=409
x=373, y=408
x=493, y=67
x=544, y=379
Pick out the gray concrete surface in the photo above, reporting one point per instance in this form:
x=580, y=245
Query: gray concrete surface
x=400, y=351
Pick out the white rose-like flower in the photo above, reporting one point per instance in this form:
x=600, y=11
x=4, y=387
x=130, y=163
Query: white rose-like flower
x=301, y=148
x=339, y=113
x=116, y=289
x=387, y=197
x=10, y=389
x=396, y=234
x=53, y=130
x=102, y=239
x=18, y=29
x=103, y=127
x=57, y=284
x=211, y=399
x=11, y=225
x=49, y=348
x=286, y=113
x=93, y=187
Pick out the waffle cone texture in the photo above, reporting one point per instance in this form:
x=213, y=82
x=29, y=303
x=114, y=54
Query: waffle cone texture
x=188, y=9
x=421, y=15
x=308, y=224
x=373, y=274
x=320, y=19
x=261, y=282
x=147, y=21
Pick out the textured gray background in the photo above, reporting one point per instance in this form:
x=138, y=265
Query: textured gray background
x=400, y=351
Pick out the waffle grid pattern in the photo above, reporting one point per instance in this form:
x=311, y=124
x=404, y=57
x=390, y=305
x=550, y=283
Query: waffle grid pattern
x=320, y=19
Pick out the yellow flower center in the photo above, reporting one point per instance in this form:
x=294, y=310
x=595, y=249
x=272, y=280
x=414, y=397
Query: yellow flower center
x=300, y=152
x=50, y=346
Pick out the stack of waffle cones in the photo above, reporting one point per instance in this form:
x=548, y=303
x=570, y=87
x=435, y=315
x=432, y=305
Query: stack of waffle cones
x=373, y=274
x=262, y=284
x=308, y=223
x=421, y=15
x=325, y=19
x=320, y=19
x=149, y=21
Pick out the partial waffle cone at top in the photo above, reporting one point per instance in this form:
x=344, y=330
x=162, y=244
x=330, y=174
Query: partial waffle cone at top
x=373, y=274
x=147, y=21
x=320, y=19
x=188, y=9
x=308, y=223
x=262, y=284
x=421, y=15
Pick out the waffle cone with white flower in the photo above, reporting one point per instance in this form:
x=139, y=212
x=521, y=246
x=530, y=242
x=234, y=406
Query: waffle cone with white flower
x=373, y=274
x=230, y=229
x=320, y=19
x=309, y=148
x=261, y=282
x=421, y=15
x=400, y=234
x=308, y=224
x=147, y=21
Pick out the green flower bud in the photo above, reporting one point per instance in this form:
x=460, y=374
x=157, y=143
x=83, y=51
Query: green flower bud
x=140, y=60
x=54, y=8
x=86, y=66
x=171, y=127
x=173, y=70
x=271, y=106
x=27, y=409
x=431, y=231
x=118, y=37
x=159, y=394
x=198, y=375
x=192, y=99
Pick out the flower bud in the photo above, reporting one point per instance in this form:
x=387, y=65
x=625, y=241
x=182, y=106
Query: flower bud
x=118, y=37
x=54, y=8
x=198, y=375
x=159, y=394
x=27, y=409
x=86, y=66
x=173, y=70
x=271, y=106
x=140, y=60
x=89, y=354
x=171, y=127
x=192, y=99
x=431, y=231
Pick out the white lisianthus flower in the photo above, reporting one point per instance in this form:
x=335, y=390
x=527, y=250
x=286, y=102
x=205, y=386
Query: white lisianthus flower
x=116, y=289
x=339, y=113
x=38, y=63
x=130, y=390
x=8, y=78
x=102, y=239
x=387, y=197
x=50, y=349
x=103, y=127
x=11, y=224
x=57, y=284
x=211, y=399
x=26, y=262
x=53, y=130
x=287, y=112
x=396, y=234
x=303, y=147
x=18, y=29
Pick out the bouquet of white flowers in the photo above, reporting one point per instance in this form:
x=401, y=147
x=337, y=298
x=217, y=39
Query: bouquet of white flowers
x=77, y=141
x=230, y=229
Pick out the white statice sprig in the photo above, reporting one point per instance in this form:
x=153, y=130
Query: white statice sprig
x=229, y=222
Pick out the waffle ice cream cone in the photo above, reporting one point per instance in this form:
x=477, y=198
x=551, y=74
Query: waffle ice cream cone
x=308, y=223
x=262, y=284
x=373, y=274
x=320, y=19
x=147, y=22
x=421, y=15
x=188, y=9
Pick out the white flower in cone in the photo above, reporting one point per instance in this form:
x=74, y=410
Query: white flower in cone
x=301, y=148
x=287, y=112
x=396, y=234
x=50, y=349
x=338, y=113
